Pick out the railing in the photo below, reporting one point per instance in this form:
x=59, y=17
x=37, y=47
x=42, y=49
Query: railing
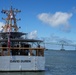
x=21, y=48
x=39, y=51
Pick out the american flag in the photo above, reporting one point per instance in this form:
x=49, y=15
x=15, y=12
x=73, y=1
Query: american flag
x=8, y=28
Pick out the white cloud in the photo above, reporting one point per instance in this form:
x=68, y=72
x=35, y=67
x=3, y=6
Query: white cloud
x=55, y=20
x=66, y=28
x=73, y=10
x=57, y=39
x=32, y=35
x=1, y=24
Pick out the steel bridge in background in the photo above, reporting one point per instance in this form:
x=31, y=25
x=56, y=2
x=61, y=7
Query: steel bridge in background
x=61, y=44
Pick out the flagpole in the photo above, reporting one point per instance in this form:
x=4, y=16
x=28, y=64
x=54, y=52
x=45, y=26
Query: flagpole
x=9, y=44
x=10, y=23
x=9, y=41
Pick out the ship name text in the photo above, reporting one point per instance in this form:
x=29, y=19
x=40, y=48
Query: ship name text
x=19, y=61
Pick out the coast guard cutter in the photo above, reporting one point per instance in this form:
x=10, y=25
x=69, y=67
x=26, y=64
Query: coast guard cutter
x=17, y=52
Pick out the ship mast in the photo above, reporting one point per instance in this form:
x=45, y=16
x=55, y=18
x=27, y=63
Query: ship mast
x=10, y=20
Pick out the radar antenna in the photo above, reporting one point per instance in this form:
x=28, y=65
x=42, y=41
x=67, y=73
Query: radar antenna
x=10, y=21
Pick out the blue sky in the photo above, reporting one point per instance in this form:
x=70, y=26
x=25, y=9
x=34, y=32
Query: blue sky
x=45, y=18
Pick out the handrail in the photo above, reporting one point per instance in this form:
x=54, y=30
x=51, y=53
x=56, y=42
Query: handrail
x=22, y=48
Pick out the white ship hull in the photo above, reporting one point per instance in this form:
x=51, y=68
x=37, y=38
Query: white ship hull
x=22, y=63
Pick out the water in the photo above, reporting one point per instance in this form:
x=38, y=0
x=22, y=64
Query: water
x=57, y=63
x=61, y=62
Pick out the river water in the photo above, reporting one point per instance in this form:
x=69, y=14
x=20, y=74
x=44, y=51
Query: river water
x=57, y=63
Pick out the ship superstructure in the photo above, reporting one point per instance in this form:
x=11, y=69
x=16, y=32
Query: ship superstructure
x=17, y=52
